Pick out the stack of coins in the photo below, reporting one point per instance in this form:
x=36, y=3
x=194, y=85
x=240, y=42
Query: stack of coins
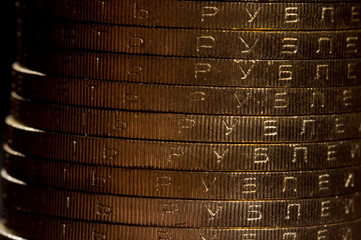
x=170, y=119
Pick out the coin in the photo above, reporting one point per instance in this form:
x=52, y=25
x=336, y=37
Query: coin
x=177, y=119
x=203, y=14
x=179, y=212
x=186, y=99
x=44, y=228
x=5, y=234
x=170, y=184
x=181, y=155
x=194, y=71
x=186, y=127
x=195, y=43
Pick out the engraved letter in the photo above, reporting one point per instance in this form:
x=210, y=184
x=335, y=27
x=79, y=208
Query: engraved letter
x=219, y=155
x=352, y=45
x=98, y=181
x=133, y=69
x=140, y=13
x=110, y=154
x=206, y=42
x=169, y=208
x=347, y=98
x=130, y=97
x=331, y=152
x=355, y=14
x=340, y=125
x=207, y=184
x=254, y=15
x=291, y=15
x=324, y=13
x=355, y=150
x=197, y=96
x=186, y=123
x=281, y=100
x=118, y=124
x=103, y=209
x=351, y=71
x=250, y=186
x=325, y=208
x=229, y=128
x=247, y=71
x=285, y=73
x=293, y=205
x=318, y=97
x=202, y=68
x=213, y=214
x=302, y=150
x=208, y=11
x=293, y=182
x=241, y=100
x=163, y=181
x=270, y=129
x=289, y=46
x=323, y=182
x=135, y=42
x=323, y=72
x=174, y=152
x=254, y=213
x=92, y=88
x=349, y=206
x=249, y=48
x=350, y=180
x=305, y=124
x=327, y=42
x=260, y=155
x=65, y=170
x=68, y=201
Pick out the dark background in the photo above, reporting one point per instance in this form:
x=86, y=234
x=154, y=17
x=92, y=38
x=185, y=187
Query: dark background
x=8, y=37
x=8, y=43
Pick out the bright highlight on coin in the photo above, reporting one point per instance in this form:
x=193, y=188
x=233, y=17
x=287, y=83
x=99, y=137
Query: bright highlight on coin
x=172, y=119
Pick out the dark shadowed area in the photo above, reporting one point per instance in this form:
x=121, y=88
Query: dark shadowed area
x=8, y=36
